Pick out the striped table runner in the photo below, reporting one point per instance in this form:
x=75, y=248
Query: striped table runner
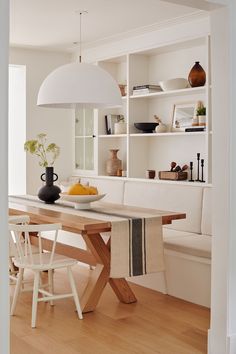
x=136, y=247
x=136, y=242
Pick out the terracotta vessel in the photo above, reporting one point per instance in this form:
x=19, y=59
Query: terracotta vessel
x=113, y=163
x=122, y=90
x=197, y=75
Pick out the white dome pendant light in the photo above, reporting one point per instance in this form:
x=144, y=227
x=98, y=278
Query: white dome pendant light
x=79, y=85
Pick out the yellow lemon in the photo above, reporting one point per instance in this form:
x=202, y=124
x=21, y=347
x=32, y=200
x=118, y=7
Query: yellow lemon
x=77, y=189
x=93, y=190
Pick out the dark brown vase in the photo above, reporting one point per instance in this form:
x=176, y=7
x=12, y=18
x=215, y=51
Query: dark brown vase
x=197, y=75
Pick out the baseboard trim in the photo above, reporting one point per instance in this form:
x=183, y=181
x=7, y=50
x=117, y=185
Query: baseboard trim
x=209, y=342
x=231, y=344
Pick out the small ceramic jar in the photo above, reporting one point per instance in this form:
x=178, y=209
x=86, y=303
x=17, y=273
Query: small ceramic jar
x=161, y=128
x=195, y=121
x=120, y=128
x=150, y=174
x=202, y=120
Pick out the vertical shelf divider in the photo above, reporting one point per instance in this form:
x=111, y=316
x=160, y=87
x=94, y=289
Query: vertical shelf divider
x=208, y=110
x=128, y=115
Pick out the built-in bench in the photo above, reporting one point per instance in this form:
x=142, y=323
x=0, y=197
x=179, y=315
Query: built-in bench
x=187, y=243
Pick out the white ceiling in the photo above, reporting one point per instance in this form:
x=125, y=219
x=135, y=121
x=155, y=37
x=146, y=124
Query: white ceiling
x=55, y=23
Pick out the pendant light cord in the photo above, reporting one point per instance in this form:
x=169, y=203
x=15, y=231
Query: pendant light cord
x=80, y=34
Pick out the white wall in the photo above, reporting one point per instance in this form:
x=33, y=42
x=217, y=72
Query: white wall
x=222, y=335
x=56, y=123
x=17, y=130
x=232, y=242
x=4, y=241
x=221, y=192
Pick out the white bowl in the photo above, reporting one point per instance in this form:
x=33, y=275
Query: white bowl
x=174, y=84
x=81, y=201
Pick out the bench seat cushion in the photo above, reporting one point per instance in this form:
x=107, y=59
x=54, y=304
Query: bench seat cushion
x=171, y=233
x=188, y=243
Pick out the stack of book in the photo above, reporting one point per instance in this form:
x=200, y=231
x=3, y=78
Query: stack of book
x=145, y=89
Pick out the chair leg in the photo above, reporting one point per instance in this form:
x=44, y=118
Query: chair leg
x=13, y=271
x=74, y=291
x=11, y=265
x=17, y=290
x=50, y=284
x=35, y=299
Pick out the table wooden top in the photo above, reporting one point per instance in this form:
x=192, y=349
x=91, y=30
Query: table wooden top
x=76, y=222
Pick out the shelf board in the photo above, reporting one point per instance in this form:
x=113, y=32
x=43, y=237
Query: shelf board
x=83, y=136
x=147, y=180
x=167, y=134
x=112, y=136
x=187, y=91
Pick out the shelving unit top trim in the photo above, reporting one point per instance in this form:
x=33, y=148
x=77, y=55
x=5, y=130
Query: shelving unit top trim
x=173, y=46
x=115, y=60
x=159, y=48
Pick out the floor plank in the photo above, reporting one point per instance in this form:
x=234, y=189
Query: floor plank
x=156, y=324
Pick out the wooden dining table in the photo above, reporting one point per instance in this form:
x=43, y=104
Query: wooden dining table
x=97, y=253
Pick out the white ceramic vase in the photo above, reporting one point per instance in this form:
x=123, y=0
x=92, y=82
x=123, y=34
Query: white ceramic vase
x=120, y=128
x=161, y=128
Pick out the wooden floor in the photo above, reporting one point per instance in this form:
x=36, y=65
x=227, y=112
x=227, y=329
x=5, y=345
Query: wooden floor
x=157, y=323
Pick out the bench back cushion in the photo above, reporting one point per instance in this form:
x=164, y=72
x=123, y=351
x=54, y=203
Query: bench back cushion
x=114, y=190
x=206, y=227
x=186, y=199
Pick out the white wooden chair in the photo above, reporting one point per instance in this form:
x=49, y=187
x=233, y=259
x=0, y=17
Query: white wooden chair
x=16, y=219
x=24, y=258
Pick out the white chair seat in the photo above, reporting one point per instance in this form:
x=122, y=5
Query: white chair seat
x=42, y=261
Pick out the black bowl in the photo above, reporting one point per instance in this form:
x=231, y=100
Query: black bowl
x=146, y=127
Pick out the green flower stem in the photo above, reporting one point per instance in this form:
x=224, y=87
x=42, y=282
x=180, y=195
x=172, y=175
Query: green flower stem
x=38, y=147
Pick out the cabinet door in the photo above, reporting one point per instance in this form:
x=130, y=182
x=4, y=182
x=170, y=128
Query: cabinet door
x=84, y=139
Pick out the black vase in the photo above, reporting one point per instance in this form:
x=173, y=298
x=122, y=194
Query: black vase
x=49, y=193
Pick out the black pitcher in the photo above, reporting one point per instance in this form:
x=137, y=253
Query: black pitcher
x=49, y=193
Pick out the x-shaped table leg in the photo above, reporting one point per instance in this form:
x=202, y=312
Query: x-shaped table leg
x=101, y=276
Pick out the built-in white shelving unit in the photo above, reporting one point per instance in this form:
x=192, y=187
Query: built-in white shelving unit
x=142, y=151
